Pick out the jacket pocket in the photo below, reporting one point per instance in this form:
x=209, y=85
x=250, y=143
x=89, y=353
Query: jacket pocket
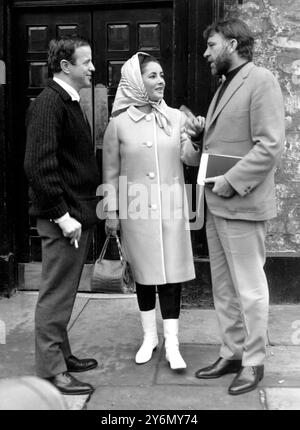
x=235, y=126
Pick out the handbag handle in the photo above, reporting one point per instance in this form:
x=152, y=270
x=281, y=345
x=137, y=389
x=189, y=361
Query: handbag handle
x=102, y=253
x=103, y=250
x=120, y=249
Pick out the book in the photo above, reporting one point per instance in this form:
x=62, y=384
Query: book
x=215, y=165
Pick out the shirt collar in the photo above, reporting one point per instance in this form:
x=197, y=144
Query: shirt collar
x=233, y=72
x=68, y=88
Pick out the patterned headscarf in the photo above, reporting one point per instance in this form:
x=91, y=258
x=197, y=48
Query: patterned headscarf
x=131, y=92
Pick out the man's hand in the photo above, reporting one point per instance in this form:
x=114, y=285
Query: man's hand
x=71, y=228
x=194, y=127
x=184, y=138
x=220, y=186
x=112, y=223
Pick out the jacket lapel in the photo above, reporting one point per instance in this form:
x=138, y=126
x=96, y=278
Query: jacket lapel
x=212, y=107
x=234, y=85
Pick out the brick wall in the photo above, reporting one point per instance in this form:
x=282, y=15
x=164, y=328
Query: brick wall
x=276, y=25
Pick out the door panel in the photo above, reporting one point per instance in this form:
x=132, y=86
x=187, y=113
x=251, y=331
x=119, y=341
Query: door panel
x=125, y=31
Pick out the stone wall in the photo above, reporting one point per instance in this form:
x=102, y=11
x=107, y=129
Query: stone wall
x=276, y=25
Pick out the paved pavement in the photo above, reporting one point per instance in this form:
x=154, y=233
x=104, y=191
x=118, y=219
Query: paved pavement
x=107, y=327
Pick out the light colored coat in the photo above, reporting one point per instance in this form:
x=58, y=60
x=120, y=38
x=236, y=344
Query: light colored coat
x=248, y=122
x=150, y=195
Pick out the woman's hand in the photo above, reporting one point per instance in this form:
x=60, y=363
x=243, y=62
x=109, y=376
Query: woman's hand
x=112, y=223
x=194, y=127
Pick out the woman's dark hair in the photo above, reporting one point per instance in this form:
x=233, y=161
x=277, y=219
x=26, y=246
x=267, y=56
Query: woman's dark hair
x=145, y=59
x=237, y=29
x=63, y=49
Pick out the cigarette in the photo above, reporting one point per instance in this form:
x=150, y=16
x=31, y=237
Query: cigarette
x=76, y=243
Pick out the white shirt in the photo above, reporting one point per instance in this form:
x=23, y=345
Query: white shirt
x=70, y=90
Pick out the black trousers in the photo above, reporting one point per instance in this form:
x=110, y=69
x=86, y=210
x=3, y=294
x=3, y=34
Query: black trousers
x=62, y=265
x=169, y=299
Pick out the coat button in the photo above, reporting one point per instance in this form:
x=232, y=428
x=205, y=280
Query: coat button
x=151, y=175
x=149, y=144
x=148, y=117
x=206, y=147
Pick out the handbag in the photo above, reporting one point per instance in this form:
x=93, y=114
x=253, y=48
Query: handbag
x=112, y=276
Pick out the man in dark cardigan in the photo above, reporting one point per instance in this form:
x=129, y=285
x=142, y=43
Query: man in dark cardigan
x=63, y=176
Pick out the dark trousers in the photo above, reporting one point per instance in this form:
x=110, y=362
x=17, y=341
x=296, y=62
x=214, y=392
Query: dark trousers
x=62, y=266
x=169, y=299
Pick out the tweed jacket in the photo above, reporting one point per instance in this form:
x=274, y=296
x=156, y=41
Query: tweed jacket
x=247, y=122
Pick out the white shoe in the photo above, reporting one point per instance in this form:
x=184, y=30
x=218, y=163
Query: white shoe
x=150, y=341
x=144, y=354
x=173, y=355
x=174, y=358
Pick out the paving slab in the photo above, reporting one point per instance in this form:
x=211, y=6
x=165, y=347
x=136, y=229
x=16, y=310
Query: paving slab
x=17, y=313
x=196, y=357
x=199, y=326
x=112, y=333
x=108, y=327
x=282, y=367
x=283, y=398
x=166, y=398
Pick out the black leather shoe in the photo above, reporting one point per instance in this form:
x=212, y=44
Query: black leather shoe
x=74, y=364
x=67, y=384
x=246, y=380
x=221, y=367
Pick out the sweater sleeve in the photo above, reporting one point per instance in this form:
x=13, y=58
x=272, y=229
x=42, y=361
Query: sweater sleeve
x=44, y=133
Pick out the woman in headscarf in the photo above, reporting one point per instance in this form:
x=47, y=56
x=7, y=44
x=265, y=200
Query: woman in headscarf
x=143, y=151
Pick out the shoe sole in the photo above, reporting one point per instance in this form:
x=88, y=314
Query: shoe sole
x=178, y=369
x=78, y=393
x=83, y=370
x=217, y=376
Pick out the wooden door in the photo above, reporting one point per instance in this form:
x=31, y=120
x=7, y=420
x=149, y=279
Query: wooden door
x=119, y=33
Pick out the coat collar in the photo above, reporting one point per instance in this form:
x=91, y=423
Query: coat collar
x=56, y=87
x=135, y=113
x=234, y=85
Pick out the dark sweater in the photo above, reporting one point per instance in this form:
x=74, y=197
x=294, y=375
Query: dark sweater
x=59, y=161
